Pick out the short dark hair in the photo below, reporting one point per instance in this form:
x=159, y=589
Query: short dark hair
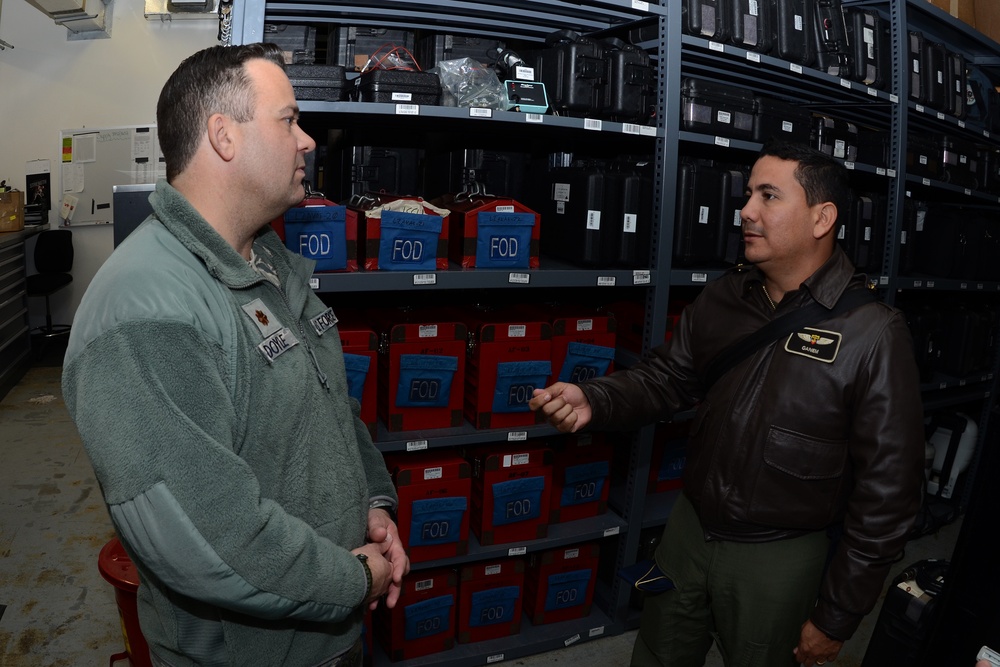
x=821, y=176
x=213, y=80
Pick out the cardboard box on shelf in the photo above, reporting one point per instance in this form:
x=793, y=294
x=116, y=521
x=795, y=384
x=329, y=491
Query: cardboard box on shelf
x=988, y=18
x=11, y=211
x=963, y=10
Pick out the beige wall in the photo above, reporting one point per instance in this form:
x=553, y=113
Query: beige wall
x=49, y=83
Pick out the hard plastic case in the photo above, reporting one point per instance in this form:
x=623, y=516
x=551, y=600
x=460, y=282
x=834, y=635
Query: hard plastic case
x=961, y=163
x=923, y=156
x=399, y=86
x=750, y=25
x=630, y=93
x=705, y=18
x=868, y=36
x=702, y=220
x=381, y=169
x=955, y=84
x=775, y=119
x=835, y=137
x=830, y=32
x=574, y=70
x=933, y=63
x=573, y=218
x=792, y=28
x=915, y=52
x=715, y=108
x=353, y=46
x=318, y=82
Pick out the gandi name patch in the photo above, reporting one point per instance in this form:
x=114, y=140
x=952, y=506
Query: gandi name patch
x=816, y=344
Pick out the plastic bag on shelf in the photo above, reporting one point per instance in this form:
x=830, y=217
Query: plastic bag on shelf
x=471, y=83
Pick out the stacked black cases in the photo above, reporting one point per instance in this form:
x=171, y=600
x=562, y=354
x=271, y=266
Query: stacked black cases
x=705, y=18
x=718, y=109
x=574, y=71
x=833, y=54
x=630, y=93
x=924, y=322
x=750, y=25
x=734, y=193
x=933, y=65
x=868, y=36
x=792, y=27
x=913, y=219
x=774, y=119
x=703, y=218
x=873, y=148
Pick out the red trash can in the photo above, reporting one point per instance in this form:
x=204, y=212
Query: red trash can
x=117, y=568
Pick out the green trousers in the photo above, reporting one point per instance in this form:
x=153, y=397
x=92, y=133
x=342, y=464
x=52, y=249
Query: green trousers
x=751, y=598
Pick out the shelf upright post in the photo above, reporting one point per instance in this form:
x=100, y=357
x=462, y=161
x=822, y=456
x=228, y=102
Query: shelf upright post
x=657, y=296
x=897, y=145
x=248, y=22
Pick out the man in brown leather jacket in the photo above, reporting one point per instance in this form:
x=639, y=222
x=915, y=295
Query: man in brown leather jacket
x=819, y=429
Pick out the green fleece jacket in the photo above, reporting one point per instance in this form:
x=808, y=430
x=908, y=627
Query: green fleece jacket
x=214, y=408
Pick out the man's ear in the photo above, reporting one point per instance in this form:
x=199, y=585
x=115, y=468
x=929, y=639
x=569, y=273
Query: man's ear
x=220, y=136
x=826, y=220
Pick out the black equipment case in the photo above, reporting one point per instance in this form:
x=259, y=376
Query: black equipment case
x=868, y=36
x=629, y=208
x=832, y=50
x=705, y=18
x=872, y=147
x=862, y=233
x=703, y=219
x=792, y=28
x=630, y=93
x=399, y=86
x=717, y=109
x=923, y=157
x=750, y=25
x=835, y=137
x=915, y=51
x=574, y=71
x=574, y=227
x=382, y=169
x=499, y=173
x=774, y=119
x=318, y=82
x=933, y=63
x=955, y=84
x=961, y=163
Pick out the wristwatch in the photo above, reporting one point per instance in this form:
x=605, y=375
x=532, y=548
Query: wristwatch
x=368, y=573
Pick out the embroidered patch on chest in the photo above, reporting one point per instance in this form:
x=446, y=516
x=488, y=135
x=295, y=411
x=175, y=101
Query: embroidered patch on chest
x=276, y=345
x=815, y=344
x=324, y=321
x=262, y=316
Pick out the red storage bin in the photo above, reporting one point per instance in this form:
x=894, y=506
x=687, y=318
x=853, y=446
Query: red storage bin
x=422, y=374
x=322, y=245
x=493, y=232
x=405, y=252
x=586, y=342
x=509, y=359
x=559, y=583
x=423, y=620
x=362, y=343
x=581, y=472
x=489, y=597
x=510, y=493
x=435, y=495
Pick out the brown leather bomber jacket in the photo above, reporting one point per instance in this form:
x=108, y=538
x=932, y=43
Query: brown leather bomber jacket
x=808, y=432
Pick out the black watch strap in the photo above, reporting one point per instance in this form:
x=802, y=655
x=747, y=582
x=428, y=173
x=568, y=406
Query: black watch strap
x=368, y=574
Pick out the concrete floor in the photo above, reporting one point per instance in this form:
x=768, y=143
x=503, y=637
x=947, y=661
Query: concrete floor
x=57, y=611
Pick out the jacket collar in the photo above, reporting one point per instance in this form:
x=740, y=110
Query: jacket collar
x=825, y=285
x=221, y=259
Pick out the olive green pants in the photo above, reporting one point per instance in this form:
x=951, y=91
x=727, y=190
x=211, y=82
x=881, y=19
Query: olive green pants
x=751, y=598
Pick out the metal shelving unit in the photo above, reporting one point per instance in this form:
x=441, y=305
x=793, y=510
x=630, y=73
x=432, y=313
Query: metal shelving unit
x=678, y=56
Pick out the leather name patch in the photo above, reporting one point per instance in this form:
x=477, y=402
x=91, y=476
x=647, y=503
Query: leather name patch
x=815, y=344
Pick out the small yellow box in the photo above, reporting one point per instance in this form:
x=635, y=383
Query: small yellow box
x=11, y=211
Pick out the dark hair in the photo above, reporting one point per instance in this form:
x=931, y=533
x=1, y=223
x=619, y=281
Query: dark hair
x=821, y=176
x=210, y=81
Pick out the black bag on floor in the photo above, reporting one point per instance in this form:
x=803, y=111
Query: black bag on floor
x=907, y=615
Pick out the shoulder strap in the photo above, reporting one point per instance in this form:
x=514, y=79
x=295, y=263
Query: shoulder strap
x=784, y=325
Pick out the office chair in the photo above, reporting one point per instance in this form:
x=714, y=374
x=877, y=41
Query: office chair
x=53, y=260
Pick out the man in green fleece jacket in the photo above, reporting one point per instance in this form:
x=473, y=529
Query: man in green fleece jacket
x=207, y=382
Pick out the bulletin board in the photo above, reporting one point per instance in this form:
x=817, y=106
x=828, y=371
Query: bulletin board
x=93, y=161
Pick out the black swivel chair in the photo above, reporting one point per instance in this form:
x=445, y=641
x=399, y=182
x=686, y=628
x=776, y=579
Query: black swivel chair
x=53, y=260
